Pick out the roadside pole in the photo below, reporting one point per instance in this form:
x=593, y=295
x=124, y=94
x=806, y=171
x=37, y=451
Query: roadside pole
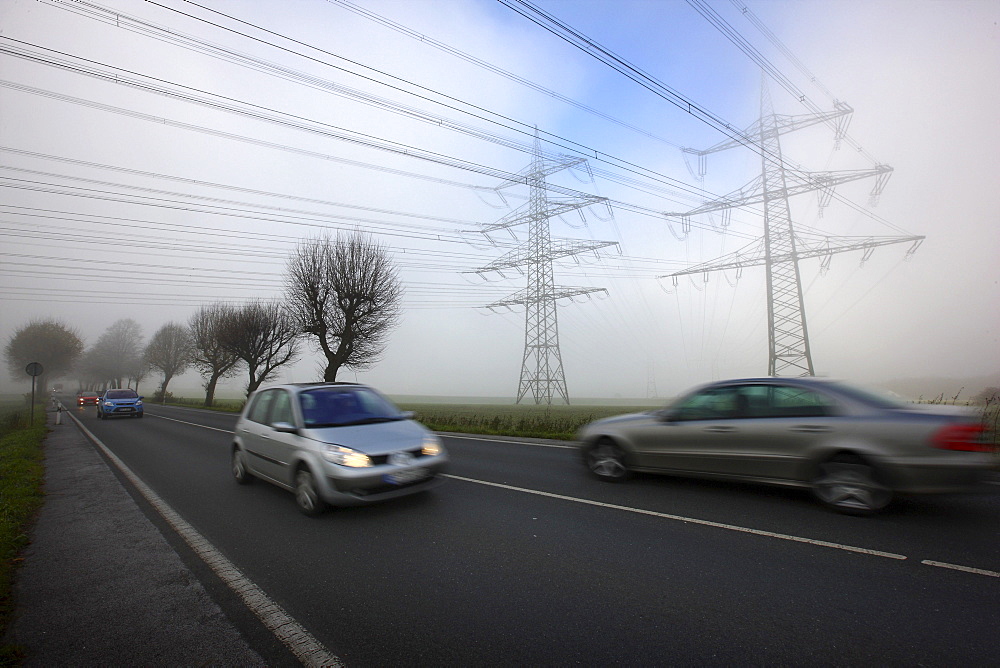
x=33, y=369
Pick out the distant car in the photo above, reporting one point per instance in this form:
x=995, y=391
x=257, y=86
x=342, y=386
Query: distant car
x=334, y=444
x=119, y=403
x=853, y=448
x=86, y=398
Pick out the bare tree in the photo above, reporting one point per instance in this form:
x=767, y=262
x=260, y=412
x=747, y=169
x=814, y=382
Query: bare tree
x=116, y=352
x=169, y=351
x=139, y=370
x=51, y=343
x=263, y=336
x=212, y=359
x=345, y=292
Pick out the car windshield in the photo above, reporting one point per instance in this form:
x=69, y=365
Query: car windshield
x=343, y=406
x=122, y=394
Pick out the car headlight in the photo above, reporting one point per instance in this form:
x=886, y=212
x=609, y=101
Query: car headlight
x=432, y=445
x=139, y=402
x=338, y=454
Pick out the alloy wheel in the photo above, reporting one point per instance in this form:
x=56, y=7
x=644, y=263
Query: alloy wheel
x=850, y=485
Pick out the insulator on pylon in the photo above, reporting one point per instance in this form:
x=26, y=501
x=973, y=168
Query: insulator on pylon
x=673, y=232
x=880, y=182
x=869, y=250
x=824, y=195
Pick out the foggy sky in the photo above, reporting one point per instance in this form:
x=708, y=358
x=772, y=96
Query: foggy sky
x=112, y=208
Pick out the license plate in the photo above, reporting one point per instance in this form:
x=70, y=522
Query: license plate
x=124, y=410
x=404, y=477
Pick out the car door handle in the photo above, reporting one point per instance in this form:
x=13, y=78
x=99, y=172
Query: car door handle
x=720, y=429
x=811, y=428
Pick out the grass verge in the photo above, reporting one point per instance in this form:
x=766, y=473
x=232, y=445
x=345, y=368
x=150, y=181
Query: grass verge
x=21, y=475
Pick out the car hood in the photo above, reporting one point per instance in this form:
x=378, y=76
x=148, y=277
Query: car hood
x=380, y=438
x=621, y=419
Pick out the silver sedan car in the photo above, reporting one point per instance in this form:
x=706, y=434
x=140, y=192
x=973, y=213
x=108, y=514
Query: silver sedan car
x=854, y=449
x=334, y=444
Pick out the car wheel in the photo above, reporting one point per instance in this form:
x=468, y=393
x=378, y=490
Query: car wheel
x=306, y=494
x=848, y=484
x=100, y=415
x=606, y=461
x=138, y=415
x=240, y=471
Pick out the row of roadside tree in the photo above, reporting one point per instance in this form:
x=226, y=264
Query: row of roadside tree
x=342, y=296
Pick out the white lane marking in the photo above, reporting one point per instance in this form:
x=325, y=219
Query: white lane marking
x=446, y=434
x=193, y=424
x=964, y=569
x=679, y=518
x=293, y=635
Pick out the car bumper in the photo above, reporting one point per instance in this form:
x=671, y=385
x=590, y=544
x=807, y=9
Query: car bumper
x=128, y=411
x=356, y=487
x=965, y=474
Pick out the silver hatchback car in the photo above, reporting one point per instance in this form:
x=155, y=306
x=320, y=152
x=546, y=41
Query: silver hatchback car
x=334, y=444
x=852, y=448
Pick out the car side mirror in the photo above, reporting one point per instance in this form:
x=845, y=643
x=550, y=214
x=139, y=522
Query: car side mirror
x=408, y=415
x=142, y=397
x=285, y=427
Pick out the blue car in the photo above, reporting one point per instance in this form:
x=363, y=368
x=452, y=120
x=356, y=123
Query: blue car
x=119, y=403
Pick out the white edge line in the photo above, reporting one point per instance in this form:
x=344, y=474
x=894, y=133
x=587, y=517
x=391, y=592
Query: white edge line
x=294, y=636
x=691, y=520
x=964, y=569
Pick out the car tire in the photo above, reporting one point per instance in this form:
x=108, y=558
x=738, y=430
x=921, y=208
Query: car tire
x=606, y=461
x=307, y=495
x=100, y=415
x=850, y=485
x=138, y=415
x=239, y=467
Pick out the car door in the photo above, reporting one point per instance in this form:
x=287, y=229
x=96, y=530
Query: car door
x=279, y=446
x=256, y=432
x=783, y=421
x=696, y=435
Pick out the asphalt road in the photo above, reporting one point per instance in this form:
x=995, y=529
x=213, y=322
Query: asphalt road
x=521, y=558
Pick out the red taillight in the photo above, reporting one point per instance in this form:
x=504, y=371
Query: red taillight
x=965, y=437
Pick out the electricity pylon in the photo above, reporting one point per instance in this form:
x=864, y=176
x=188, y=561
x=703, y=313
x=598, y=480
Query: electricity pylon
x=782, y=247
x=541, y=367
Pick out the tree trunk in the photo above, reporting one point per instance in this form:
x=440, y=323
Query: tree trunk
x=163, y=388
x=330, y=375
x=210, y=390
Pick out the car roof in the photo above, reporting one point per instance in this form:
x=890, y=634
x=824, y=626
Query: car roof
x=786, y=380
x=309, y=386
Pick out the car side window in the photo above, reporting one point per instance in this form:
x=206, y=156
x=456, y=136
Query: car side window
x=789, y=401
x=281, y=408
x=717, y=403
x=261, y=406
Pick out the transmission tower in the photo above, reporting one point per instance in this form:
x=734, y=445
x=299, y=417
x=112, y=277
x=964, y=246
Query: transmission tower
x=542, y=372
x=782, y=247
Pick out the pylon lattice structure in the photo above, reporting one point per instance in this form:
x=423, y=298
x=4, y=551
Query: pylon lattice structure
x=782, y=247
x=542, y=374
